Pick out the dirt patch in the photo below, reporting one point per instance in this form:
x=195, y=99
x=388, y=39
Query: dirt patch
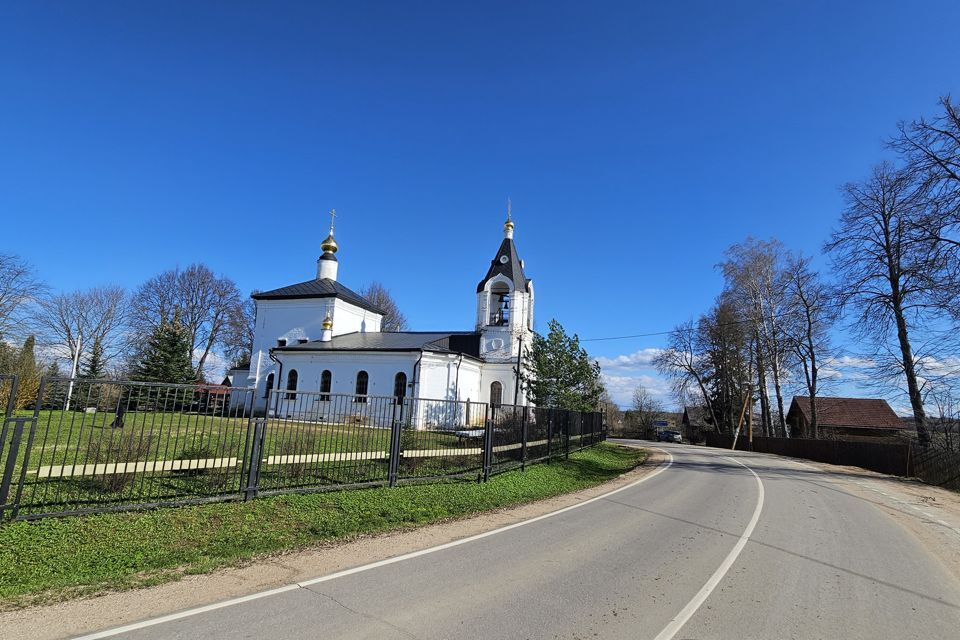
x=110, y=610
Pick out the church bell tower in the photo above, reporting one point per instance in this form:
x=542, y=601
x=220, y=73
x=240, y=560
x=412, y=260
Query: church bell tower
x=505, y=303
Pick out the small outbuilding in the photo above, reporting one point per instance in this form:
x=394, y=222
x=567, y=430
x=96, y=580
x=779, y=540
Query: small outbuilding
x=844, y=418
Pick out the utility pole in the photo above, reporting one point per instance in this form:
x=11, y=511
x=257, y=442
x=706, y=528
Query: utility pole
x=746, y=401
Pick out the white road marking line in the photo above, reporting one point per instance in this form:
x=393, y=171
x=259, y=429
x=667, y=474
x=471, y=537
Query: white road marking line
x=687, y=612
x=366, y=567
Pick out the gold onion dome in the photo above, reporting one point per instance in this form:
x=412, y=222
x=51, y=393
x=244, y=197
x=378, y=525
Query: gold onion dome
x=327, y=322
x=508, y=225
x=329, y=245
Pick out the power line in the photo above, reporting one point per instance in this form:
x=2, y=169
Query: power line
x=665, y=333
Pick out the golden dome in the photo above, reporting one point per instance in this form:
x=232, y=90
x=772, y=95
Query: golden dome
x=327, y=322
x=329, y=245
x=508, y=225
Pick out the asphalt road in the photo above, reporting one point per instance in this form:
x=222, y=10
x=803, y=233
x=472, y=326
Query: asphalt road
x=703, y=549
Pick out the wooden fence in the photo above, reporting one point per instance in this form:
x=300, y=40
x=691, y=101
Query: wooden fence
x=933, y=465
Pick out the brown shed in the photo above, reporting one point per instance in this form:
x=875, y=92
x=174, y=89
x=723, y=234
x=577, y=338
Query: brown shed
x=844, y=418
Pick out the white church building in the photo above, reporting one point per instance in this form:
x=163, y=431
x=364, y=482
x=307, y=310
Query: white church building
x=320, y=336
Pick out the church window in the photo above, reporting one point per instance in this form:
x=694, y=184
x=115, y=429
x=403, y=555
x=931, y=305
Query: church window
x=302, y=341
x=499, y=305
x=269, y=387
x=363, y=382
x=281, y=342
x=291, y=384
x=496, y=394
x=400, y=386
x=326, y=379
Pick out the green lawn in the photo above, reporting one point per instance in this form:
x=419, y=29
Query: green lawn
x=55, y=559
x=67, y=439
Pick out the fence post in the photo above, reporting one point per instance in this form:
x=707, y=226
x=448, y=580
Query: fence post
x=550, y=413
x=523, y=441
x=8, y=469
x=395, y=446
x=253, y=460
x=8, y=472
x=487, y=444
x=566, y=435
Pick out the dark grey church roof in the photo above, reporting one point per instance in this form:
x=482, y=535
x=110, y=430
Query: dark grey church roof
x=324, y=288
x=511, y=268
x=465, y=342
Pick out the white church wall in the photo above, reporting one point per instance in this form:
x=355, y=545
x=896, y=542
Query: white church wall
x=294, y=320
x=344, y=366
x=348, y=318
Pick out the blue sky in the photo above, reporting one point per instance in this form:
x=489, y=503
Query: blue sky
x=636, y=142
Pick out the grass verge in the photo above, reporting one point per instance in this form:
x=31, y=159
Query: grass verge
x=56, y=559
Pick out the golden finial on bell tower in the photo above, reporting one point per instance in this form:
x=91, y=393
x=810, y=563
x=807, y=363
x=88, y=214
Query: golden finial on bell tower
x=508, y=225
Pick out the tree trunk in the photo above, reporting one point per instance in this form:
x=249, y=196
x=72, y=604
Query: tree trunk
x=762, y=390
x=779, y=393
x=909, y=368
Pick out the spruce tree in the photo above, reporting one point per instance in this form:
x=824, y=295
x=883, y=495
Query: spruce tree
x=166, y=356
x=558, y=372
x=54, y=393
x=95, y=366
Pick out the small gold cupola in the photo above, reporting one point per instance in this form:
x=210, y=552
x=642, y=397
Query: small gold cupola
x=327, y=263
x=327, y=334
x=508, y=225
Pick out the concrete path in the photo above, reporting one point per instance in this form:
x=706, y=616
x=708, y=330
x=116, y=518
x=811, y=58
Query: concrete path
x=717, y=545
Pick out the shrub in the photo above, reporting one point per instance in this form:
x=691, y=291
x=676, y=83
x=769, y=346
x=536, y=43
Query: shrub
x=118, y=447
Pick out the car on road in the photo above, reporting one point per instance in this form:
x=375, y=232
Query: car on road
x=669, y=436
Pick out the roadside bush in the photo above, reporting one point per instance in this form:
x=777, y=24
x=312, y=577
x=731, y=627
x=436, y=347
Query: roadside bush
x=118, y=447
x=296, y=445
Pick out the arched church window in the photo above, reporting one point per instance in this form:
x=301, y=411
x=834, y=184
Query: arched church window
x=326, y=381
x=292, y=384
x=499, y=305
x=363, y=383
x=400, y=386
x=269, y=387
x=496, y=394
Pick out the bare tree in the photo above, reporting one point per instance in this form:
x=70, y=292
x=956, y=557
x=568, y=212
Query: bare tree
x=203, y=300
x=393, y=318
x=74, y=322
x=238, y=333
x=645, y=410
x=932, y=151
x=18, y=287
x=684, y=362
x=884, y=267
x=612, y=412
x=754, y=271
x=811, y=311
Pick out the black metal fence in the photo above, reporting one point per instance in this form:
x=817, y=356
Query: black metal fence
x=935, y=463
x=100, y=445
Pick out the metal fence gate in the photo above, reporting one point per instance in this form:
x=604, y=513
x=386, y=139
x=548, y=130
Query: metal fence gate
x=84, y=446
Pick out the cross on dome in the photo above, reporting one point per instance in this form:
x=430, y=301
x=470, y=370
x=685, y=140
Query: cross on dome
x=330, y=245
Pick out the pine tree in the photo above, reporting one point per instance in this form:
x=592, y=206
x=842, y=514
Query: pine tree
x=166, y=356
x=54, y=393
x=559, y=372
x=95, y=367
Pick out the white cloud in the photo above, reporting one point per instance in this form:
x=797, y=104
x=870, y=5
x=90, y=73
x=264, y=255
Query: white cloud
x=849, y=362
x=621, y=387
x=635, y=360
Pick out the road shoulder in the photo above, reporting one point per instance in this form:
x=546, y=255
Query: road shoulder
x=114, y=609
